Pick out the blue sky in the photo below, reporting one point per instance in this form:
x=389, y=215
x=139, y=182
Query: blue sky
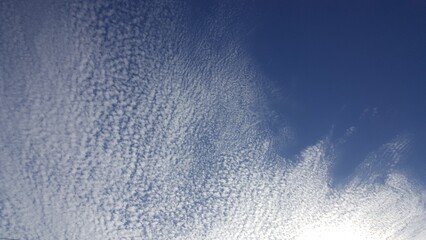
x=348, y=63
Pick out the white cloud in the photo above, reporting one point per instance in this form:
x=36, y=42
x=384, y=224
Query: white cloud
x=351, y=130
x=369, y=113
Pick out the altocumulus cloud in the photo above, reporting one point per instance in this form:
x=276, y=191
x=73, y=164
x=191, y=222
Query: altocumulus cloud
x=119, y=121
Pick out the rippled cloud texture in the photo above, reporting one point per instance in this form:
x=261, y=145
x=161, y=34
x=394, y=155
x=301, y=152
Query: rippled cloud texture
x=120, y=121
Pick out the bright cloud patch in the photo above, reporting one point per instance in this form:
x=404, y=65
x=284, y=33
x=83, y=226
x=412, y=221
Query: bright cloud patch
x=117, y=121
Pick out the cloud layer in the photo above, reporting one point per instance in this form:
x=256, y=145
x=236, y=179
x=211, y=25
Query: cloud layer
x=119, y=121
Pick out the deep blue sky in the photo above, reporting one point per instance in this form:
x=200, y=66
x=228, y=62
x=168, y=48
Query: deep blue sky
x=348, y=63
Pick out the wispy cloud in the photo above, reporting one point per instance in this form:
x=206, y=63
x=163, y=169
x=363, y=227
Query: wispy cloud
x=369, y=113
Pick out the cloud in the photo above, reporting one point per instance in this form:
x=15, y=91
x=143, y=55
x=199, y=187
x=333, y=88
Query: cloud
x=115, y=126
x=351, y=130
x=369, y=113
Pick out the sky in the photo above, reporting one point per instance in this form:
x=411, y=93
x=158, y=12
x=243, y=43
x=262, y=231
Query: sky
x=348, y=64
x=292, y=120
